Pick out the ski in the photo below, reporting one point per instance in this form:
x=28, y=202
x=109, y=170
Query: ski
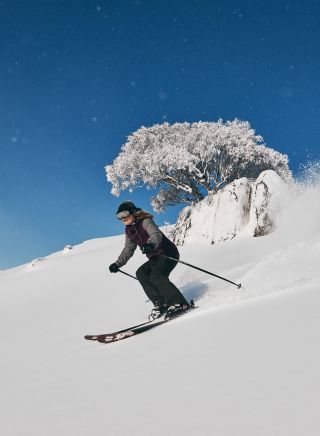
x=117, y=336
x=96, y=337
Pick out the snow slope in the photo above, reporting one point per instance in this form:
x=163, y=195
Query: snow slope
x=244, y=363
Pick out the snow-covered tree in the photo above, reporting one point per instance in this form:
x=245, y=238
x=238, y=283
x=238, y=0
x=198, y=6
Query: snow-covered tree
x=187, y=161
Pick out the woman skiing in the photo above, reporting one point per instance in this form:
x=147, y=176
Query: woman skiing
x=154, y=274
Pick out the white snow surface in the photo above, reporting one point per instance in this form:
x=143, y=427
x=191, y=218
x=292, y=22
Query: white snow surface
x=244, y=363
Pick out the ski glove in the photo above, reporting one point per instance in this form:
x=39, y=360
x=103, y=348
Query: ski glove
x=113, y=268
x=147, y=248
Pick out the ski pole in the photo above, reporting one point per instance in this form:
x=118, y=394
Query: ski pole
x=128, y=274
x=203, y=270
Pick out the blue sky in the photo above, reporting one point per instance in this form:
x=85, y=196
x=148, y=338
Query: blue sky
x=77, y=77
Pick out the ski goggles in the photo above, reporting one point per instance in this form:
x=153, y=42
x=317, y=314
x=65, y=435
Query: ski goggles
x=123, y=214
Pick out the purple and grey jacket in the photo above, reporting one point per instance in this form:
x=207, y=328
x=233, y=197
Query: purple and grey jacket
x=145, y=231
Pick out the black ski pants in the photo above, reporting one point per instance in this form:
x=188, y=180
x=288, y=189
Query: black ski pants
x=154, y=278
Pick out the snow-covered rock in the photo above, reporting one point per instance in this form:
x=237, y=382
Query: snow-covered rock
x=267, y=192
x=67, y=249
x=244, y=206
x=36, y=263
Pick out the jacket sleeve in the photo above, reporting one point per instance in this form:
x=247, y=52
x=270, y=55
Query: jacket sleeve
x=155, y=235
x=127, y=252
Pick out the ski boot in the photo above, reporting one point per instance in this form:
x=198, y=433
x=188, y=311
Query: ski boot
x=157, y=312
x=178, y=309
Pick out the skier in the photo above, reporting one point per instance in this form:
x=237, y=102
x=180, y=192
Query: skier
x=154, y=274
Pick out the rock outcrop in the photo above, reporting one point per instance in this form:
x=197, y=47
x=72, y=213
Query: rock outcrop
x=244, y=206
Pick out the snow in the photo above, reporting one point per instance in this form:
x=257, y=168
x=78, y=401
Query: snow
x=244, y=363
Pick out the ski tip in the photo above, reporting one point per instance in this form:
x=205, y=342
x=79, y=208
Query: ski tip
x=91, y=337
